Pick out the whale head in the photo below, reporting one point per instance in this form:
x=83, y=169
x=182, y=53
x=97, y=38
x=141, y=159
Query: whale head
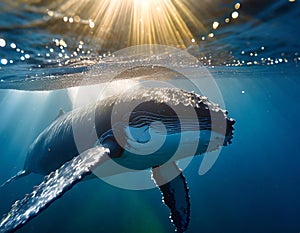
x=156, y=125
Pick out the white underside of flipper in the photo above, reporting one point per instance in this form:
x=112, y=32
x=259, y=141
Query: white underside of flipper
x=54, y=186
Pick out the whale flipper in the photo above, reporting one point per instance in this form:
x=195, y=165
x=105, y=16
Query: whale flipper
x=53, y=187
x=175, y=193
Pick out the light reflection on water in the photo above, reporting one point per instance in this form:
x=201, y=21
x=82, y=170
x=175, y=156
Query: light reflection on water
x=53, y=40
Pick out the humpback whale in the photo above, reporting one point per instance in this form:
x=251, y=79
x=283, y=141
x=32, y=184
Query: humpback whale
x=185, y=118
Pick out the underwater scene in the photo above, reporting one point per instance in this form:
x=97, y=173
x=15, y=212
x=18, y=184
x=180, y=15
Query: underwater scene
x=149, y=116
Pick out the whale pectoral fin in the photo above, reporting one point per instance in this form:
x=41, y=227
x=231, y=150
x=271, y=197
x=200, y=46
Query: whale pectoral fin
x=53, y=187
x=175, y=193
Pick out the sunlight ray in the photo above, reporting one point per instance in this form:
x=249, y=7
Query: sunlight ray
x=133, y=22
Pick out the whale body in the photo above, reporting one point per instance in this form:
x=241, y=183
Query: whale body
x=123, y=129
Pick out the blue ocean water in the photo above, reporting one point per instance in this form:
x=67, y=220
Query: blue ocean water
x=254, y=185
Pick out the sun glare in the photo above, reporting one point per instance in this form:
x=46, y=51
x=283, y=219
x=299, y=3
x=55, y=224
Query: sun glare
x=133, y=22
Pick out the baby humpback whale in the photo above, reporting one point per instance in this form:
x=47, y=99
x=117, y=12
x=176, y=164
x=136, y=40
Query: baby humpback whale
x=55, y=152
